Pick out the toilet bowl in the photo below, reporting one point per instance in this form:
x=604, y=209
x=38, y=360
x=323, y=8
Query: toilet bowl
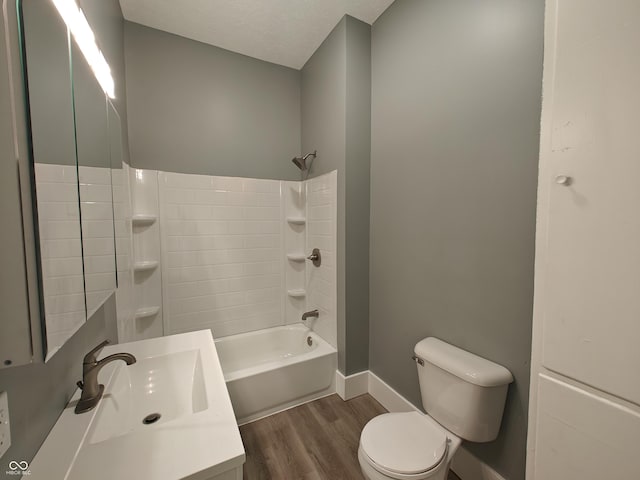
x=407, y=445
x=464, y=397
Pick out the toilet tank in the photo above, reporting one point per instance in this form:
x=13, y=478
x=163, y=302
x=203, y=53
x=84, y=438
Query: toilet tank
x=461, y=391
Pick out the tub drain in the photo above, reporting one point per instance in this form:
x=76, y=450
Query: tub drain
x=151, y=418
x=309, y=340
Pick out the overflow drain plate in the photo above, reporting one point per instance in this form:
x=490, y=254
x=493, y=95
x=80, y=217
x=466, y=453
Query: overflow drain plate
x=151, y=418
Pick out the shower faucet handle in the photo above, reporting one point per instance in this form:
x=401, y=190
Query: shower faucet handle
x=564, y=180
x=315, y=257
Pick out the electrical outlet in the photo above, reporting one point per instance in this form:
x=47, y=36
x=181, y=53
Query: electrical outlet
x=5, y=431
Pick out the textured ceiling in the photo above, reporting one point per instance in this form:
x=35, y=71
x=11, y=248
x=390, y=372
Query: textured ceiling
x=286, y=32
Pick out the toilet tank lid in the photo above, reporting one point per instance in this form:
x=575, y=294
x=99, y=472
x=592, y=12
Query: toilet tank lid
x=465, y=365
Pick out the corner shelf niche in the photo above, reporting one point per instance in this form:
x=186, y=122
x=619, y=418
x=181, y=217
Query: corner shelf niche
x=143, y=219
x=297, y=293
x=296, y=220
x=144, y=266
x=146, y=312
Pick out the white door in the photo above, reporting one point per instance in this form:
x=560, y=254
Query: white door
x=585, y=397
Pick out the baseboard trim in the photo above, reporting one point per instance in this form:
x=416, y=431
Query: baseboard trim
x=388, y=397
x=464, y=464
x=353, y=385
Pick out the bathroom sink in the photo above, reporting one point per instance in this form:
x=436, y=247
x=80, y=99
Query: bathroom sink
x=150, y=393
x=166, y=417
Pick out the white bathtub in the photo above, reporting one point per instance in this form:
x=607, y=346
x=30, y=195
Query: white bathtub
x=274, y=369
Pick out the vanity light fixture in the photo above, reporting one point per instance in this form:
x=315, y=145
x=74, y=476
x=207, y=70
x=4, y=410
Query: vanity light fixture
x=79, y=27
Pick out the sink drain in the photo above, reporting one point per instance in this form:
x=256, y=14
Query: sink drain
x=151, y=418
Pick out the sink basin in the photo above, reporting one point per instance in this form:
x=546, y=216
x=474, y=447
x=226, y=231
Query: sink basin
x=149, y=393
x=166, y=417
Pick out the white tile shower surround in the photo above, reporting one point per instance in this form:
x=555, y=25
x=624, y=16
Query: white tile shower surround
x=224, y=263
x=321, y=213
x=294, y=238
x=147, y=285
x=222, y=251
x=61, y=250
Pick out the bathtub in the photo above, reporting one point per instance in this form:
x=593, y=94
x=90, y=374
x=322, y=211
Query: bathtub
x=270, y=370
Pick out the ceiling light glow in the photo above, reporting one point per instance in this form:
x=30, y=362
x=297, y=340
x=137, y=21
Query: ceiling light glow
x=81, y=30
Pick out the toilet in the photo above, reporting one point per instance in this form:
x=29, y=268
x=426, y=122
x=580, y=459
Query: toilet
x=464, y=397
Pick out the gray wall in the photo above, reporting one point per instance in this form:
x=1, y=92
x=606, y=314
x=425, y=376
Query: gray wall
x=357, y=194
x=195, y=108
x=456, y=93
x=336, y=99
x=38, y=392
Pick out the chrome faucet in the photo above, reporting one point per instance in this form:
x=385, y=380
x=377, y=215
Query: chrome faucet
x=313, y=313
x=91, y=390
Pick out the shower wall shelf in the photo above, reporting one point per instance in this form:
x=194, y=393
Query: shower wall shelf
x=142, y=219
x=297, y=293
x=146, y=298
x=297, y=220
x=146, y=312
x=145, y=265
x=296, y=257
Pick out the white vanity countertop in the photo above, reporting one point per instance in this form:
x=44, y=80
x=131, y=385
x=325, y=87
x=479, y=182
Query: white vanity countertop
x=194, y=446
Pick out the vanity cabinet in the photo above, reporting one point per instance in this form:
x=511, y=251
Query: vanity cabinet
x=194, y=435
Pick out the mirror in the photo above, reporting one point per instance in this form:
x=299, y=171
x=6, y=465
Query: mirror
x=119, y=193
x=94, y=176
x=46, y=55
x=72, y=152
x=122, y=222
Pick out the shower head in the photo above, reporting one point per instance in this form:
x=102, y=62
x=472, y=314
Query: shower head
x=301, y=162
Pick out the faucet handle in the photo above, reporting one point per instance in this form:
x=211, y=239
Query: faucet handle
x=92, y=356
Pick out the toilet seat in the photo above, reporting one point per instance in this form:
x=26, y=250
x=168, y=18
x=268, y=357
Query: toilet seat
x=404, y=445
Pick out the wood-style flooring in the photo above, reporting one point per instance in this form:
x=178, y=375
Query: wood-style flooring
x=315, y=441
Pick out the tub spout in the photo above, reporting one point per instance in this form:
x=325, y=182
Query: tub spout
x=313, y=313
